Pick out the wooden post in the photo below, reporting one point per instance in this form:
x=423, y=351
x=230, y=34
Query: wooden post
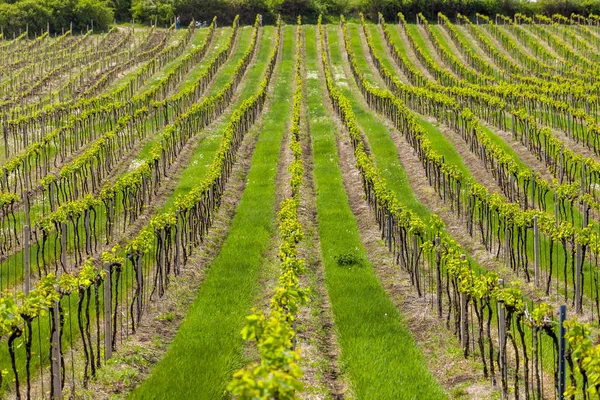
x=163, y=264
x=464, y=321
x=107, y=311
x=556, y=208
x=177, y=266
x=561, y=353
x=415, y=263
x=560, y=168
x=583, y=179
x=506, y=243
x=63, y=245
x=26, y=258
x=580, y=260
x=533, y=192
x=389, y=230
x=468, y=209
x=140, y=279
x=502, y=343
x=88, y=232
x=444, y=180
x=578, y=268
x=512, y=188
x=56, y=361
x=438, y=275
x=536, y=250
x=5, y=132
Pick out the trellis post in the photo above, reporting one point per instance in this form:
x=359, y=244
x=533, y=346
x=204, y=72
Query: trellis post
x=177, y=245
x=438, y=275
x=533, y=192
x=416, y=263
x=464, y=323
x=63, y=245
x=56, y=360
x=26, y=260
x=583, y=179
x=502, y=343
x=556, y=209
x=561, y=169
x=107, y=311
x=561, y=353
x=26, y=243
x=140, y=277
x=506, y=243
x=444, y=180
x=88, y=232
x=580, y=260
x=389, y=230
x=536, y=250
x=468, y=210
x=163, y=263
x=578, y=267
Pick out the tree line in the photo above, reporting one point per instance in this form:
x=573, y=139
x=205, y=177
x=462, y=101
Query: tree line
x=60, y=15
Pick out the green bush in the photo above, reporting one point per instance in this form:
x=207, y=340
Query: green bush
x=347, y=259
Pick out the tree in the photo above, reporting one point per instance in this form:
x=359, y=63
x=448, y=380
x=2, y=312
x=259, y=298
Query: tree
x=150, y=11
x=122, y=10
x=87, y=11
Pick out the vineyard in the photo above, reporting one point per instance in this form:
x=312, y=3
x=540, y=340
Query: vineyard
x=362, y=209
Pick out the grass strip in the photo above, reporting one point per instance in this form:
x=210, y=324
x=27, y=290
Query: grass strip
x=208, y=346
x=381, y=357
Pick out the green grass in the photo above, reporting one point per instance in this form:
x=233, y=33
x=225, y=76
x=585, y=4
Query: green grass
x=378, y=352
x=208, y=346
x=210, y=142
